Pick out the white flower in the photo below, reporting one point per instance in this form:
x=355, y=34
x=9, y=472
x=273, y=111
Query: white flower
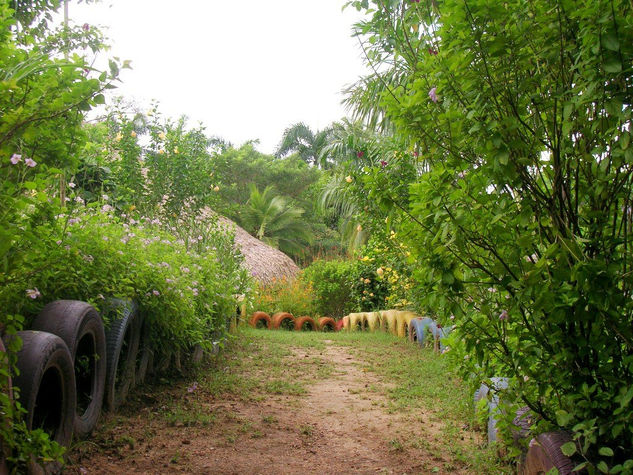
x=33, y=293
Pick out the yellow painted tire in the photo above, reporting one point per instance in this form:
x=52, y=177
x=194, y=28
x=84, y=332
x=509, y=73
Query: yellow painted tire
x=372, y=321
x=356, y=322
x=346, y=322
x=403, y=319
x=389, y=321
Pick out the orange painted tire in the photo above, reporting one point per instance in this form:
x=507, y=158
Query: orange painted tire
x=339, y=325
x=260, y=319
x=305, y=323
x=283, y=320
x=327, y=324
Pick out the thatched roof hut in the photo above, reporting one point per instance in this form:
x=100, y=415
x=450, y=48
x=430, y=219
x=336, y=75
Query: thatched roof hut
x=265, y=263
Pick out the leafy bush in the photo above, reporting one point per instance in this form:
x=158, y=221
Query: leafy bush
x=285, y=295
x=332, y=285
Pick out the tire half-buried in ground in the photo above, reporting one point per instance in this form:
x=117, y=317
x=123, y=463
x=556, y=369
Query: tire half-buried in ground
x=260, y=320
x=81, y=328
x=122, y=340
x=47, y=384
x=305, y=323
x=283, y=321
x=327, y=324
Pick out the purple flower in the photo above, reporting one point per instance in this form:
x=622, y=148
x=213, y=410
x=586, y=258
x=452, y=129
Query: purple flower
x=432, y=52
x=503, y=316
x=16, y=158
x=156, y=292
x=33, y=293
x=360, y=154
x=86, y=27
x=29, y=162
x=383, y=164
x=433, y=94
x=193, y=387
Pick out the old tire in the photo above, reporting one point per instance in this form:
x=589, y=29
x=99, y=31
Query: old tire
x=327, y=324
x=339, y=325
x=497, y=386
x=7, y=389
x=545, y=454
x=390, y=321
x=122, y=340
x=372, y=321
x=47, y=384
x=145, y=352
x=418, y=330
x=81, y=328
x=356, y=322
x=259, y=320
x=283, y=320
x=305, y=323
x=345, y=321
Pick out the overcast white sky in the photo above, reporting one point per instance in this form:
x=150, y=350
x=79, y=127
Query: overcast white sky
x=246, y=69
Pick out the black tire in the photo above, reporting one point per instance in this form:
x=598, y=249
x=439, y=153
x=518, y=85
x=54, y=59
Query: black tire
x=122, y=340
x=144, y=352
x=81, y=328
x=5, y=387
x=46, y=381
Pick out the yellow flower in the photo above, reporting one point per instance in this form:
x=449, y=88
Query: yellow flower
x=359, y=228
x=379, y=271
x=348, y=179
x=118, y=137
x=161, y=151
x=175, y=149
x=133, y=134
x=367, y=281
x=216, y=188
x=161, y=136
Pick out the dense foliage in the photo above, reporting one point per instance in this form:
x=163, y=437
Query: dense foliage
x=516, y=118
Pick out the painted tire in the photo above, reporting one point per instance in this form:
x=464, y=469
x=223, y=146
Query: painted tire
x=439, y=333
x=327, y=324
x=345, y=321
x=372, y=321
x=356, y=322
x=305, y=323
x=47, y=384
x=283, y=320
x=390, y=321
x=81, y=328
x=544, y=454
x=418, y=330
x=122, y=341
x=522, y=423
x=497, y=386
x=260, y=319
x=339, y=325
x=145, y=353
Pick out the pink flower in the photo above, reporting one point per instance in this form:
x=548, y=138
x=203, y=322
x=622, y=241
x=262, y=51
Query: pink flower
x=383, y=164
x=29, y=162
x=193, y=387
x=503, y=316
x=33, y=293
x=86, y=27
x=432, y=52
x=71, y=185
x=433, y=94
x=156, y=292
x=16, y=158
x=195, y=292
x=360, y=154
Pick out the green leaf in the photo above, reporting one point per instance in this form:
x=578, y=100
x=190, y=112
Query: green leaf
x=610, y=41
x=603, y=467
x=99, y=99
x=605, y=451
x=613, y=65
x=568, y=448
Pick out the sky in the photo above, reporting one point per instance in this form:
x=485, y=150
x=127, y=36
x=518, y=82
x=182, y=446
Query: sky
x=245, y=69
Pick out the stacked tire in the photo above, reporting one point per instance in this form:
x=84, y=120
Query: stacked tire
x=70, y=365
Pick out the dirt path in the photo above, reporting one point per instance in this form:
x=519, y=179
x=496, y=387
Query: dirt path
x=341, y=423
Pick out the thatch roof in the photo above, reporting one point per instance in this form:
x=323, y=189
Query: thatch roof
x=265, y=263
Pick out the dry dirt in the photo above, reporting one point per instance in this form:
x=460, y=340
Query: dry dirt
x=341, y=425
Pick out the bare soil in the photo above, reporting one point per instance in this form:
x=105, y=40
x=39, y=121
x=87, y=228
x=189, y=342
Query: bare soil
x=341, y=424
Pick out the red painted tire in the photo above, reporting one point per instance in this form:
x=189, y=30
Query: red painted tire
x=544, y=454
x=339, y=325
x=260, y=319
x=81, y=328
x=327, y=324
x=283, y=320
x=305, y=323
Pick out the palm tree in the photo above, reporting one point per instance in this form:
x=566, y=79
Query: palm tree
x=273, y=220
x=310, y=146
